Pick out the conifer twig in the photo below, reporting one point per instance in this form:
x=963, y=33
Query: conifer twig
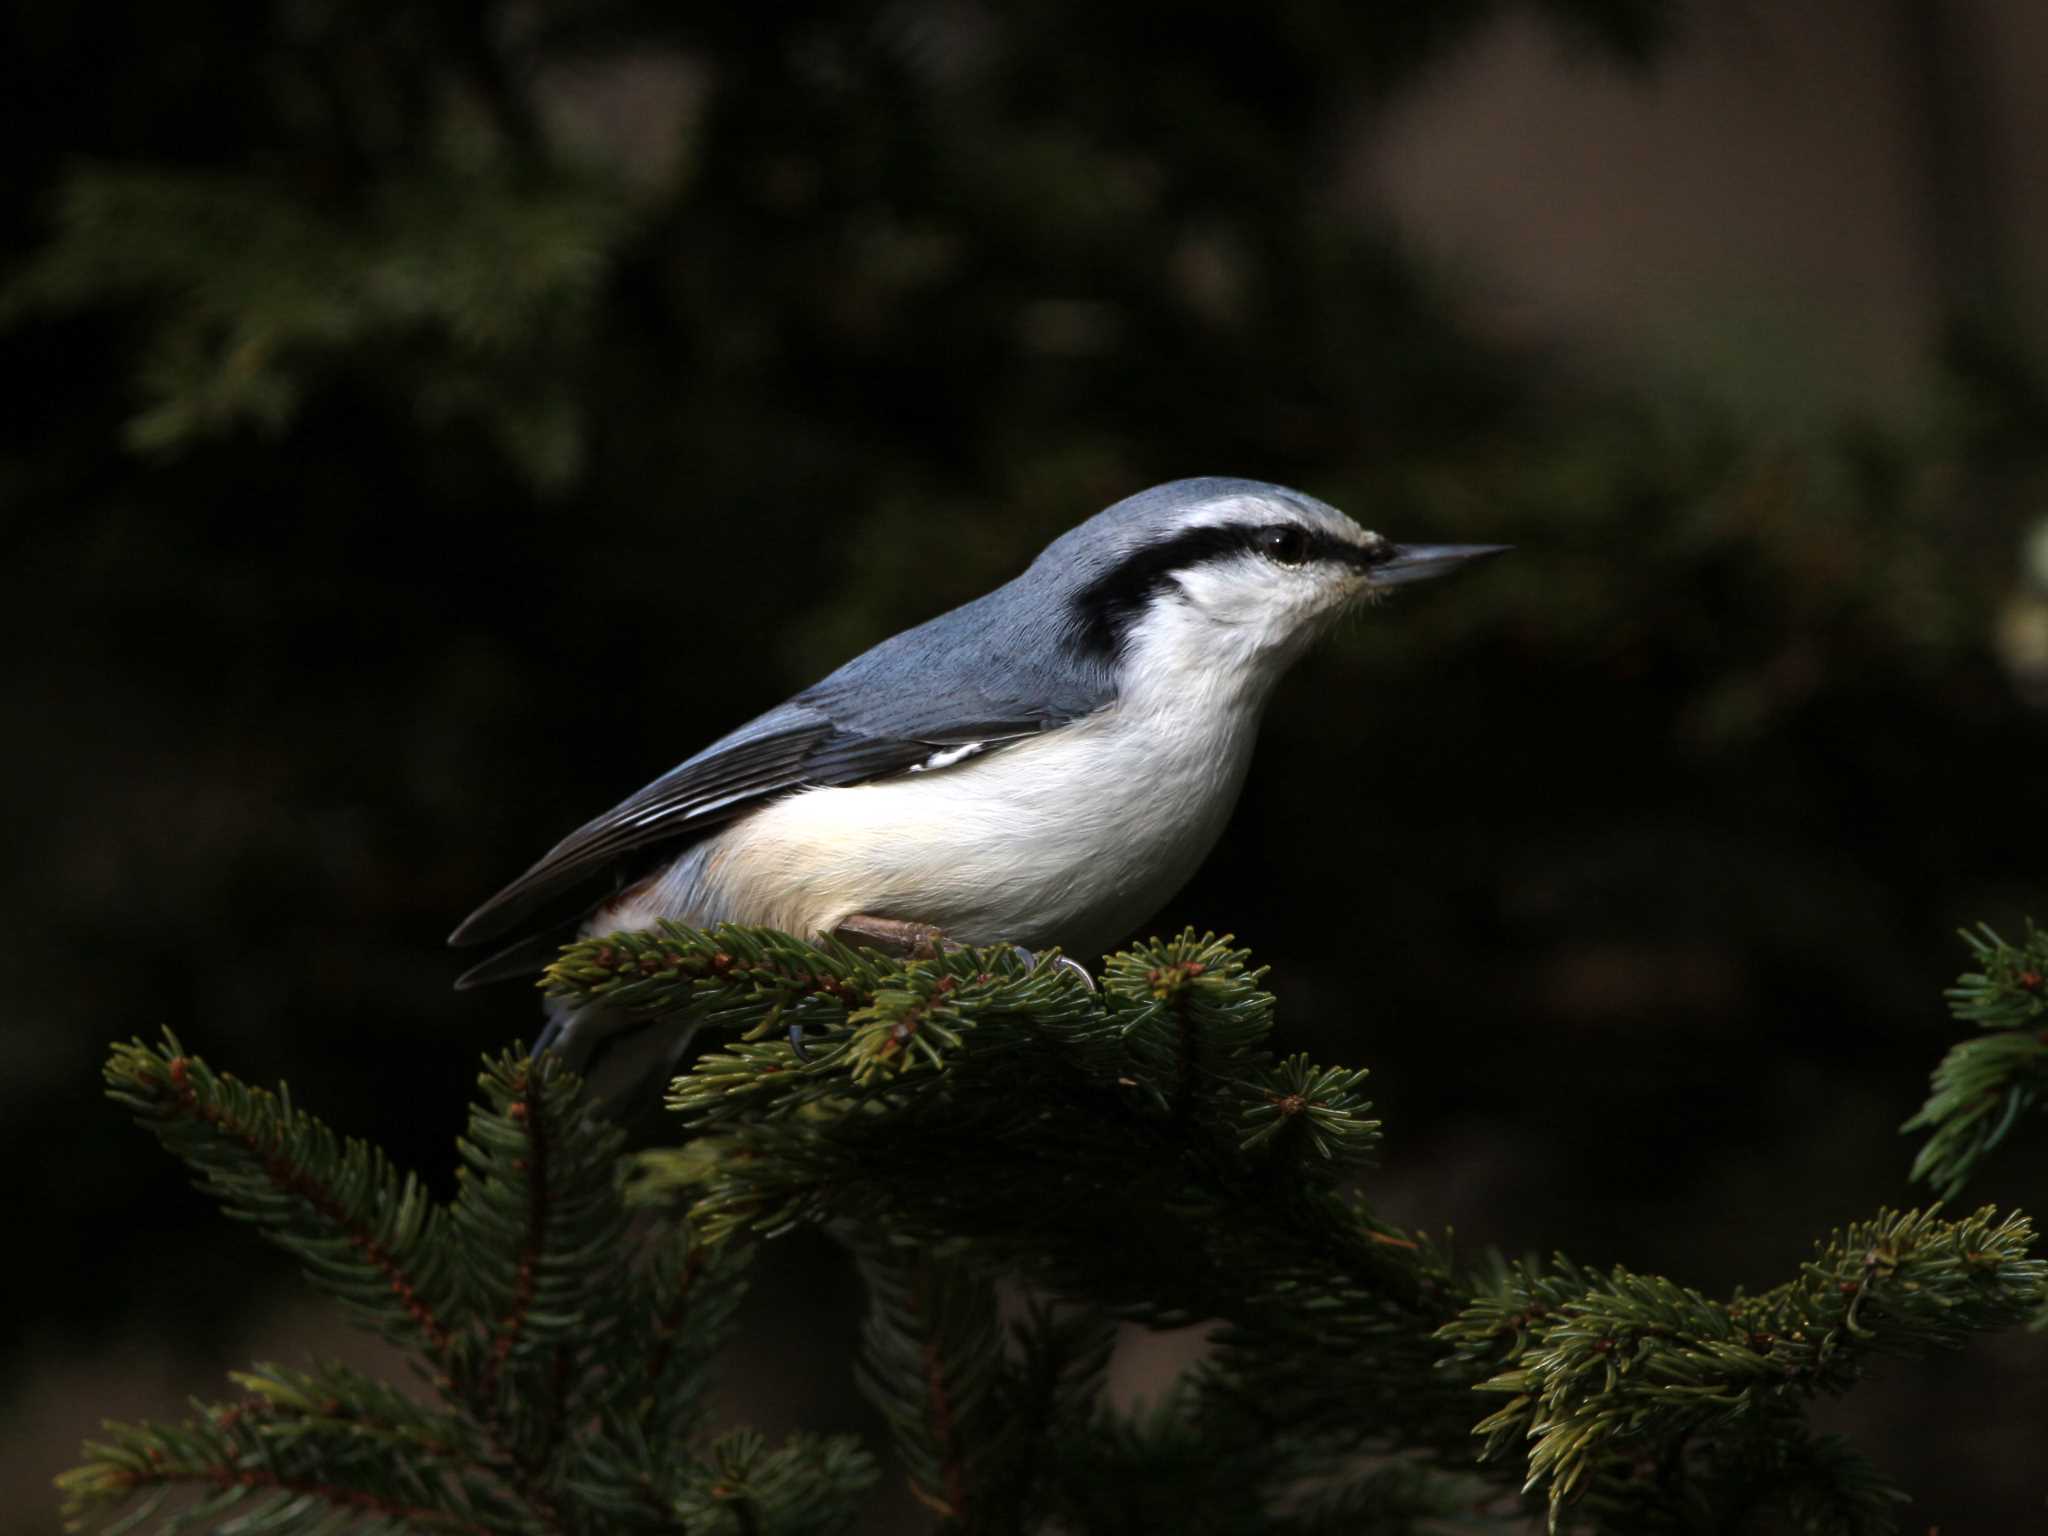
x=1985, y=1085
x=355, y=1223
x=571, y=1360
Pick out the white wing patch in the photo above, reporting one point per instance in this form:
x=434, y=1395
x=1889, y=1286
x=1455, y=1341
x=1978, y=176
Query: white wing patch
x=949, y=756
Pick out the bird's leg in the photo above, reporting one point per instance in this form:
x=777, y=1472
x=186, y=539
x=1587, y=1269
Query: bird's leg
x=893, y=936
x=914, y=941
x=924, y=941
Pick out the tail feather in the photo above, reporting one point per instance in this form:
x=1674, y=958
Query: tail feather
x=626, y=1063
x=529, y=957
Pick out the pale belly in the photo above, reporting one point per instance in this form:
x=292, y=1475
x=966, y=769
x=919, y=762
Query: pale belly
x=1073, y=838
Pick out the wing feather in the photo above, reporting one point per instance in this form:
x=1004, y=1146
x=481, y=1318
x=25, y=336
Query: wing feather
x=794, y=747
x=762, y=758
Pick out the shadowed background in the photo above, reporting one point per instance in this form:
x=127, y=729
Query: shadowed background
x=432, y=421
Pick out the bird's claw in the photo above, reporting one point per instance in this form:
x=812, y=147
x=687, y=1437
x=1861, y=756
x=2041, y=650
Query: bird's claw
x=796, y=1042
x=1069, y=963
x=1061, y=962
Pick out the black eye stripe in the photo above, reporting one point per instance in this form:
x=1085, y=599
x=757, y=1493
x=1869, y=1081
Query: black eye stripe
x=1318, y=545
x=1379, y=552
x=1105, y=609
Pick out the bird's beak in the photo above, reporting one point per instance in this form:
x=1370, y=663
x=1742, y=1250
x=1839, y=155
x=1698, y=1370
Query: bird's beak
x=1419, y=562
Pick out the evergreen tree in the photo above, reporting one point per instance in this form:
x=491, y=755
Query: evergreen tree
x=975, y=1129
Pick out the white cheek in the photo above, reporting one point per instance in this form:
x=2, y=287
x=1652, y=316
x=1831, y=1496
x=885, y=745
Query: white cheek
x=1261, y=605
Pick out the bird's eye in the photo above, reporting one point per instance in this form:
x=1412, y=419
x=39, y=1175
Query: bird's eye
x=1284, y=544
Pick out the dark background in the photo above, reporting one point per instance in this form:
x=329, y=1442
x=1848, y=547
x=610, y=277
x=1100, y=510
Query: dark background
x=428, y=422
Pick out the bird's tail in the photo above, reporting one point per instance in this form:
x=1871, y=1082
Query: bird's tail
x=626, y=1063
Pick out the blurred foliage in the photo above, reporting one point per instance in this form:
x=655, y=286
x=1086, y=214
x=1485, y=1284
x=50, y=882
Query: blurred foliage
x=431, y=421
x=1986, y=1084
x=463, y=301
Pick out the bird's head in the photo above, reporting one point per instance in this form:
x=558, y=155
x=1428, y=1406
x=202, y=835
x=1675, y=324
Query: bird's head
x=1226, y=574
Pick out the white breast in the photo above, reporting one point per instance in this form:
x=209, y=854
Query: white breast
x=1071, y=838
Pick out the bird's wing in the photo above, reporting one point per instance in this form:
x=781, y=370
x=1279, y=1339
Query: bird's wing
x=797, y=746
x=991, y=671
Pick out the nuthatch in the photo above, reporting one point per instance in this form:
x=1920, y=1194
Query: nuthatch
x=1045, y=765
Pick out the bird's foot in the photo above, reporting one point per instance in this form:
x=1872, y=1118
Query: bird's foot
x=891, y=935
x=918, y=941
x=1061, y=962
x=926, y=941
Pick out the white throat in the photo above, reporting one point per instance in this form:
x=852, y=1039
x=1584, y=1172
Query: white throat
x=1209, y=655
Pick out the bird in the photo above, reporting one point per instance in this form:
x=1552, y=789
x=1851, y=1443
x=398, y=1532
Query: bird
x=1045, y=765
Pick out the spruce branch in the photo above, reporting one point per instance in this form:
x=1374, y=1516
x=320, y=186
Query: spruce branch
x=303, y=1450
x=983, y=1413
x=1060, y=1379
x=860, y=1008
x=364, y=1233
x=682, y=1301
x=804, y=1487
x=986, y=1128
x=1632, y=1364
x=1012, y=1432
x=1186, y=1164
x=932, y=1361
x=1779, y=1476
x=538, y=1216
x=1165, y=1068
x=1158, y=1467
x=1196, y=1177
x=1168, y=1465
x=1319, y=1105
x=570, y=1346
x=1984, y=1085
x=1399, y=1499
